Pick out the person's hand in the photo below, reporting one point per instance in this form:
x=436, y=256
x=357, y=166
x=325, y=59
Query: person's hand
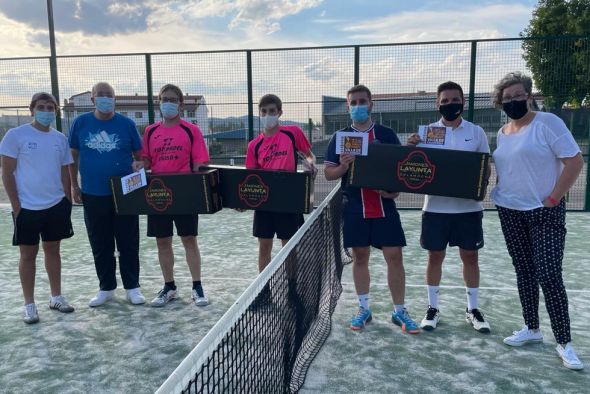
x=550, y=202
x=414, y=139
x=137, y=165
x=346, y=159
x=77, y=194
x=16, y=211
x=239, y=209
x=310, y=166
x=386, y=194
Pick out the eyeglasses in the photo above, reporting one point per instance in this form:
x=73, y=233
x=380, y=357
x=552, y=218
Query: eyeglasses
x=169, y=100
x=520, y=97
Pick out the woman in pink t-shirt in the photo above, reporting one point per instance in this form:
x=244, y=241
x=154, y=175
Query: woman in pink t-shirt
x=174, y=145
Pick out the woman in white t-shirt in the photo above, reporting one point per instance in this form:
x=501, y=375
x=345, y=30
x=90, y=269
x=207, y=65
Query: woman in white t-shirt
x=537, y=161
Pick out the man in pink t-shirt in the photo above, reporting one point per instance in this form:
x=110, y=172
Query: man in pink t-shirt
x=174, y=145
x=276, y=148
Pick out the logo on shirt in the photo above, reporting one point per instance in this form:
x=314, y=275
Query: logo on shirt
x=415, y=170
x=253, y=191
x=271, y=152
x=32, y=145
x=102, y=141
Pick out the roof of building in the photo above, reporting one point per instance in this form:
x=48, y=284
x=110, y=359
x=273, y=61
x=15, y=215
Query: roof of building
x=238, y=134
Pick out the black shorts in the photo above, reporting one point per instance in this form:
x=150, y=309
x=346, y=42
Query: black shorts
x=51, y=224
x=376, y=232
x=284, y=225
x=160, y=226
x=455, y=229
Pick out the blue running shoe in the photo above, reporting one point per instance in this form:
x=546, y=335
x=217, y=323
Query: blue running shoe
x=404, y=320
x=361, y=319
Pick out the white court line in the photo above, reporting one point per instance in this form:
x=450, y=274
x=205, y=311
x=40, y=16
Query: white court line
x=248, y=280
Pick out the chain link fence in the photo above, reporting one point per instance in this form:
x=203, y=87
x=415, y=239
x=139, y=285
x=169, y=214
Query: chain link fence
x=222, y=89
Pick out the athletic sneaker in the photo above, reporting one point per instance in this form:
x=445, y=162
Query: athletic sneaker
x=135, y=297
x=567, y=354
x=31, y=316
x=431, y=319
x=404, y=320
x=200, y=300
x=165, y=295
x=524, y=336
x=59, y=303
x=102, y=297
x=475, y=318
x=361, y=319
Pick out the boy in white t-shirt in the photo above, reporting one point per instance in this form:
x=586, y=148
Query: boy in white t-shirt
x=35, y=160
x=449, y=220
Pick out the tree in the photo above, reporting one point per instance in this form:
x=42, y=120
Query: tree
x=560, y=65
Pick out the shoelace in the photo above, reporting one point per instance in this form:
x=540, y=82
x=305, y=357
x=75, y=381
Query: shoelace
x=360, y=314
x=31, y=310
x=405, y=317
x=478, y=315
x=430, y=313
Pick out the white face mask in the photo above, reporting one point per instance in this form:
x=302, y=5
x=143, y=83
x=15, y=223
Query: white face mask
x=269, y=121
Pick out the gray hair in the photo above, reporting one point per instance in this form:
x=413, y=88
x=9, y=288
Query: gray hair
x=510, y=79
x=100, y=85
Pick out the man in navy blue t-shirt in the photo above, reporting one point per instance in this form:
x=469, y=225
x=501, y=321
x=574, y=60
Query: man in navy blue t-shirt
x=104, y=144
x=370, y=217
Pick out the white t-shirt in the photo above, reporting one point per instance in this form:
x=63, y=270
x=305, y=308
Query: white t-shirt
x=528, y=162
x=466, y=137
x=39, y=158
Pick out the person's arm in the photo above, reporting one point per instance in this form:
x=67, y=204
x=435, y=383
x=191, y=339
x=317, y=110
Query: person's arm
x=138, y=162
x=73, y=169
x=334, y=172
x=66, y=182
x=9, y=181
x=571, y=170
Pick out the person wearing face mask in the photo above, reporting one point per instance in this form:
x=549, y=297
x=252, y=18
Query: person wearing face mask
x=174, y=145
x=449, y=220
x=537, y=161
x=35, y=160
x=104, y=144
x=276, y=148
x=370, y=217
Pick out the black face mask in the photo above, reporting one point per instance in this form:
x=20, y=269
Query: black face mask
x=451, y=111
x=515, y=109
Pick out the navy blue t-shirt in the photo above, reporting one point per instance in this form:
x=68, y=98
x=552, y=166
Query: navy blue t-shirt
x=105, y=147
x=362, y=201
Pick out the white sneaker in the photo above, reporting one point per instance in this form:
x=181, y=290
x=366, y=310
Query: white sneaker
x=199, y=301
x=102, y=297
x=165, y=295
x=475, y=318
x=135, y=297
x=430, y=319
x=59, y=303
x=31, y=316
x=567, y=354
x=524, y=336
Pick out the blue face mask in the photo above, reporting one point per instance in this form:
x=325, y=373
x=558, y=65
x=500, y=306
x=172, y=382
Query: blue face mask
x=359, y=113
x=169, y=110
x=44, y=118
x=106, y=105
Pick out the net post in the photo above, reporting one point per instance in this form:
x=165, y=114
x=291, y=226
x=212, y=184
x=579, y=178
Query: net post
x=471, y=111
x=150, y=88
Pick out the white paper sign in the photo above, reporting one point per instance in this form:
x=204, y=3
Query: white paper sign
x=133, y=181
x=435, y=135
x=352, y=143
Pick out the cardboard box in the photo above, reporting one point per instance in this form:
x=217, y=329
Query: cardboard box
x=170, y=194
x=409, y=169
x=272, y=191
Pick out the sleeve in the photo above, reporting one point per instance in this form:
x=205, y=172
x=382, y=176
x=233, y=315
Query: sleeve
x=331, y=158
x=145, y=153
x=9, y=146
x=135, y=139
x=73, y=137
x=395, y=139
x=301, y=142
x=560, y=139
x=484, y=146
x=250, y=157
x=67, y=158
x=200, y=153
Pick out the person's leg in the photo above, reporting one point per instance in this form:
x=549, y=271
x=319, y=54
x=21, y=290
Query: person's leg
x=434, y=237
x=166, y=258
x=470, y=276
x=434, y=275
x=264, y=252
x=263, y=228
x=396, y=274
x=360, y=270
x=53, y=266
x=193, y=256
x=126, y=231
x=27, y=269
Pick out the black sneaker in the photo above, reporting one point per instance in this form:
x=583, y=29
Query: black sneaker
x=431, y=319
x=475, y=318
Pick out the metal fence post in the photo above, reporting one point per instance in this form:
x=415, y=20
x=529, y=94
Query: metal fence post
x=587, y=199
x=357, y=56
x=250, y=96
x=471, y=111
x=150, y=89
x=53, y=61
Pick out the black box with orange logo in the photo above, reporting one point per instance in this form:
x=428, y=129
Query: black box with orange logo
x=265, y=190
x=410, y=169
x=170, y=194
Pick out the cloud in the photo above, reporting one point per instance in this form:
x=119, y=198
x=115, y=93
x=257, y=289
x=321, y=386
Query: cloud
x=323, y=70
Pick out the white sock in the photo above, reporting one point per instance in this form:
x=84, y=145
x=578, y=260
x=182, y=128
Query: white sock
x=433, y=296
x=399, y=308
x=364, y=300
x=471, y=297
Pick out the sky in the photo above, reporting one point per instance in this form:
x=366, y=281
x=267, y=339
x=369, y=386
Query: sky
x=116, y=26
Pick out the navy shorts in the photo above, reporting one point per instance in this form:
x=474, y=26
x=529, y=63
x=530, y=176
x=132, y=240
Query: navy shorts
x=160, y=226
x=377, y=232
x=284, y=225
x=51, y=224
x=455, y=229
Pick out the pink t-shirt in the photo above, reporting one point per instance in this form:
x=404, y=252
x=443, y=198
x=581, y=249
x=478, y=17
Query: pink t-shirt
x=169, y=148
x=277, y=152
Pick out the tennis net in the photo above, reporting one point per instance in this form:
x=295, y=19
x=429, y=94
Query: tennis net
x=268, y=338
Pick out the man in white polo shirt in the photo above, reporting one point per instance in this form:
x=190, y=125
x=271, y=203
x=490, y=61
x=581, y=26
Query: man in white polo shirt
x=449, y=220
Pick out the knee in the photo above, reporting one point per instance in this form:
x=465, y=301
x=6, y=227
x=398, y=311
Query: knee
x=469, y=257
x=189, y=242
x=360, y=256
x=264, y=245
x=164, y=244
